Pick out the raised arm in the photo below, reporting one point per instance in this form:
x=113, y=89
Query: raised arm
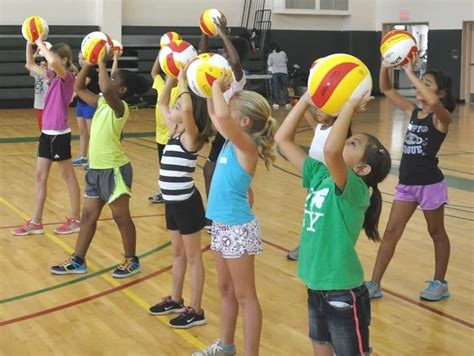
x=310, y=119
x=106, y=87
x=233, y=56
x=386, y=87
x=156, y=69
x=54, y=61
x=204, y=43
x=30, y=63
x=191, y=131
x=220, y=116
x=432, y=100
x=80, y=86
x=115, y=67
x=164, y=101
x=337, y=139
x=285, y=136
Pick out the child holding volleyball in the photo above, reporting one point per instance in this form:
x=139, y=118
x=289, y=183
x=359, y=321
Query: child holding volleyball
x=421, y=182
x=190, y=128
x=109, y=178
x=338, y=206
x=236, y=234
x=55, y=140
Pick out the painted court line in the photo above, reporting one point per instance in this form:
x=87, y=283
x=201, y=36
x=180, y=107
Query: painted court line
x=77, y=280
x=130, y=295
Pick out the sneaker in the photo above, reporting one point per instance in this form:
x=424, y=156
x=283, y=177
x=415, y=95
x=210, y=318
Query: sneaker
x=79, y=161
x=70, y=226
x=294, y=254
x=86, y=167
x=374, y=289
x=127, y=268
x=29, y=228
x=435, y=291
x=156, y=199
x=167, y=306
x=216, y=349
x=188, y=318
x=275, y=106
x=73, y=265
x=208, y=228
x=288, y=106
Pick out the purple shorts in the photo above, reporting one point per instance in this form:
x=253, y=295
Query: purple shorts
x=428, y=197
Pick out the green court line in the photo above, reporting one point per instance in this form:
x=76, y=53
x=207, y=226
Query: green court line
x=73, y=137
x=80, y=279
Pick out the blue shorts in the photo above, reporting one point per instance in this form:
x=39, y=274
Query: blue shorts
x=340, y=318
x=84, y=110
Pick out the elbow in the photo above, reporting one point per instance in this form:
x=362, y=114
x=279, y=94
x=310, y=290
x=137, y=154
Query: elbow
x=279, y=137
x=330, y=153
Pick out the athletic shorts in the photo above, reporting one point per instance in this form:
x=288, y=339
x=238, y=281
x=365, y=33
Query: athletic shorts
x=55, y=147
x=235, y=241
x=341, y=319
x=187, y=216
x=109, y=184
x=216, y=147
x=428, y=197
x=84, y=110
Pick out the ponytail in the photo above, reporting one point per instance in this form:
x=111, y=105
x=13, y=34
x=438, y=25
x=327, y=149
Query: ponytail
x=372, y=215
x=267, y=141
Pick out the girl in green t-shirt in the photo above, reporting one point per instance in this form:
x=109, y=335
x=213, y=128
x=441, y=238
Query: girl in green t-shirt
x=337, y=207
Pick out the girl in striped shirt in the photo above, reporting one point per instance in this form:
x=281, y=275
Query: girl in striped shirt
x=190, y=127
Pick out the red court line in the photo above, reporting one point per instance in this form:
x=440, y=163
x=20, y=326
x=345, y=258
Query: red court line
x=92, y=297
x=402, y=297
x=104, y=219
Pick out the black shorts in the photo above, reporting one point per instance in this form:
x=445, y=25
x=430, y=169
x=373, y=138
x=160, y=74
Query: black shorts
x=187, y=216
x=216, y=147
x=55, y=147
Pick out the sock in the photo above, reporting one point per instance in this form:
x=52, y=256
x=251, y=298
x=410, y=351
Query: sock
x=227, y=348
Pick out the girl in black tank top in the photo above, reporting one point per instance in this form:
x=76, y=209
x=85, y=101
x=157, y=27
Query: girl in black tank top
x=421, y=182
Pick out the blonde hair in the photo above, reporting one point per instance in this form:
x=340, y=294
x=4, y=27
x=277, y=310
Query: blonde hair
x=62, y=50
x=263, y=126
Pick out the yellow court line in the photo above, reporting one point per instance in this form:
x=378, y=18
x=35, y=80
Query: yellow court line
x=131, y=295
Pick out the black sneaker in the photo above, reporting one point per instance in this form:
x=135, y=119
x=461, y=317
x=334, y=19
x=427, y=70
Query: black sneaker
x=188, y=318
x=129, y=267
x=167, y=306
x=156, y=199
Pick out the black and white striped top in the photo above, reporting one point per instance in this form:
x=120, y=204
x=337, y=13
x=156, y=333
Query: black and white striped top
x=176, y=171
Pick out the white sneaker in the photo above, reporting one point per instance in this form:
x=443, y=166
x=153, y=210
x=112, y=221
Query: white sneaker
x=288, y=106
x=275, y=106
x=214, y=350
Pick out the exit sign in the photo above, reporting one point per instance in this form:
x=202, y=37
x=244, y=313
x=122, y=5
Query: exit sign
x=404, y=15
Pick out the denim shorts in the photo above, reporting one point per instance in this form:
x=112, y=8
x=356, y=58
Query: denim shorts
x=335, y=319
x=428, y=197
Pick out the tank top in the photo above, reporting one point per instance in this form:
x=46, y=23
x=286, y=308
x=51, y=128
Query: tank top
x=419, y=164
x=176, y=171
x=228, y=197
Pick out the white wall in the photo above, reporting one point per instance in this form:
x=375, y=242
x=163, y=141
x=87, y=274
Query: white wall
x=441, y=14
x=55, y=12
x=177, y=12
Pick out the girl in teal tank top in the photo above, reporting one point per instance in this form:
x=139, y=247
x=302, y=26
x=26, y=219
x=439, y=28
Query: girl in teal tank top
x=236, y=236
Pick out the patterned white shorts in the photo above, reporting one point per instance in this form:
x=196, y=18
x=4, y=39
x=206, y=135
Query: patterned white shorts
x=234, y=241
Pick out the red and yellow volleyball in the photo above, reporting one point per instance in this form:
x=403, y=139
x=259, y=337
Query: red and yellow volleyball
x=204, y=70
x=169, y=37
x=34, y=27
x=334, y=79
x=95, y=45
x=206, y=22
x=117, y=47
x=175, y=56
x=397, y=48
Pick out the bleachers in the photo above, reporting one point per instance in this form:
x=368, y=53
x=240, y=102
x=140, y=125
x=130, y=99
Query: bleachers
x=141, y=45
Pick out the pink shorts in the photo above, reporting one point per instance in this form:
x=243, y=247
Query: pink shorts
x=428, y=197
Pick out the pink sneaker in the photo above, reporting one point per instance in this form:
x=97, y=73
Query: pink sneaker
x=30, y=228
x=69, y=227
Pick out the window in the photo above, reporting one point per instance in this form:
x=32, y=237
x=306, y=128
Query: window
x=312, y=7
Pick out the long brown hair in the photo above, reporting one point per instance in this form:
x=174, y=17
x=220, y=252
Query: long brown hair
x=62, y=50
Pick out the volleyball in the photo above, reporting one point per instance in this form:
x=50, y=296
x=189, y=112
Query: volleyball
x=174, y=56
x=168, y=37
x=117, y=47
x=33, y=28
x=206, y=22
x=335, y=79
x=203, y=70
x=95, y=45
x=397, y=48
x=48, y=46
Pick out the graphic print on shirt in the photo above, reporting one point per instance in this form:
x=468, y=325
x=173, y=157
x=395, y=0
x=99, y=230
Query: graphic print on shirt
x=313, y=206
x=414, y=144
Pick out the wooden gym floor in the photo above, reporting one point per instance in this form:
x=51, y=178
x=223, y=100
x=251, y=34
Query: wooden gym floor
x=94, y=314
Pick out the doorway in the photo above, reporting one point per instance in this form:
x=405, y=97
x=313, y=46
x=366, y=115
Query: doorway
x=420, y=32
x=467, y=62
